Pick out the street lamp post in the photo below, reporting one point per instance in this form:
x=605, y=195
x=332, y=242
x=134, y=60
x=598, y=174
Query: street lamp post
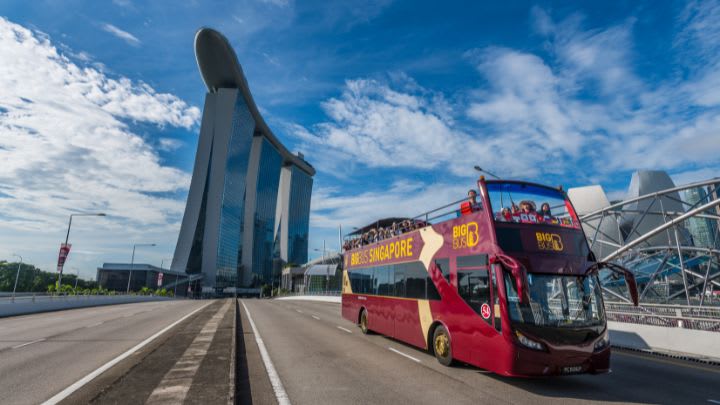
x=17, y=275
x=478, y=168
x=327, y=274
x=77, y=276
x=67, y=236
x=132, y=263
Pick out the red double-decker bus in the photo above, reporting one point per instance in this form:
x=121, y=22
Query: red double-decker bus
x=506, y=283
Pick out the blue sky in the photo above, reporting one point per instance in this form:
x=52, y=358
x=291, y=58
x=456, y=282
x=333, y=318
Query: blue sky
x=392, y=101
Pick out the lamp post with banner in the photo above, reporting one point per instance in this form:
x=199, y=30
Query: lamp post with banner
x=65, y=247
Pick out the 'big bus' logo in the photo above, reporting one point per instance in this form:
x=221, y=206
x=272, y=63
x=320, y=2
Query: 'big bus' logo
x=549, y=241
x=465, y=235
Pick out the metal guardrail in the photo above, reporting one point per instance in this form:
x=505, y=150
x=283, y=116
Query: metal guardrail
x=25, y=298
x=671, y=316
x=330, y=293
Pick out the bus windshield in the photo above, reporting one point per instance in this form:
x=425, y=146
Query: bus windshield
x=561, y=301
x=530, y=204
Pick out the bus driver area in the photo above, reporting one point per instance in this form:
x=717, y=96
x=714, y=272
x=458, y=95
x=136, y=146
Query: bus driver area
x=519, y=297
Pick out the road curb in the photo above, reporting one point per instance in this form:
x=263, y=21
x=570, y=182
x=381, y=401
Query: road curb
x=670, y=355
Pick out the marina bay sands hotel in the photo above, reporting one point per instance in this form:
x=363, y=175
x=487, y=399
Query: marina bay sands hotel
x=248, y=207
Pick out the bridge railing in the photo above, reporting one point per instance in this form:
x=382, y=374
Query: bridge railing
x=672, y=316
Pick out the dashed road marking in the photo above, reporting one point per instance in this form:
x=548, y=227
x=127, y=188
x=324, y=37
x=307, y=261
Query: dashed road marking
x=280, y=394
x=316, y=317
x=95, y=324
x=81, y=382
x=28, y=343
x=714, y=401
x=403, y=354
x=299, y=311
x=343, y=329
x=174, y=386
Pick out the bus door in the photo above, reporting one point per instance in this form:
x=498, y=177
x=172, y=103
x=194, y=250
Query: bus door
x=473, y=285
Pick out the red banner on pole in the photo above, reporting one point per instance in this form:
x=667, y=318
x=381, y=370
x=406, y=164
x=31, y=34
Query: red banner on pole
x=62, y=256
x=160, y=278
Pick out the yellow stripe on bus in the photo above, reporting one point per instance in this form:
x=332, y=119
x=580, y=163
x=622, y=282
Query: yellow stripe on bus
x=426, y=318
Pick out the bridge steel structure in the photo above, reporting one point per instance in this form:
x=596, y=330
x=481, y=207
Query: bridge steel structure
x=654, y=242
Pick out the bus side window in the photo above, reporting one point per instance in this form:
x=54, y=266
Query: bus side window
x=399, y=280
x=444, y=266
x=385, y=280
x=415, y=275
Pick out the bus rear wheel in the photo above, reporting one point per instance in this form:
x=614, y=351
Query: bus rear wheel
x=364, y=322
x=441, y=346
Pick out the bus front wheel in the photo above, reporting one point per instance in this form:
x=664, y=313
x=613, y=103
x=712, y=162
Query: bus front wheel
x=364, y=322
x=441, y=346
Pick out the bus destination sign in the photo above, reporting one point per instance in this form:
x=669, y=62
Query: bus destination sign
x=399, y=249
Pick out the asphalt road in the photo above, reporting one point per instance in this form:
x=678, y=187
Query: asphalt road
x=321, y=358
x=42, y=354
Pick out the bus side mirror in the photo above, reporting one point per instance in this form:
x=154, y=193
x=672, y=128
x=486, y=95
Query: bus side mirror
x=620, y=271
x=517, y=271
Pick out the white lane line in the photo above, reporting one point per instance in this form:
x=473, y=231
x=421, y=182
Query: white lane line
x=714, y=401
x=174, y=386
x=95, y=324
x=28, y=343
x=280, y=394
x=316, y=317
x=403, y=354
x=81, y=382
x=343, y=329
x=299, y=311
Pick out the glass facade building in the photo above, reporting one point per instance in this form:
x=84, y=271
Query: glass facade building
x=248, y=205
x=299, y=213
x=268, y=180
x=230, y=238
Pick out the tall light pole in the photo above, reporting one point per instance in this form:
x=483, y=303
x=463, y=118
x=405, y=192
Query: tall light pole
x=17, y=274
x=67, y=236
x=132, y=263
x=327, y=274
x=77, y=276
x=478, y=168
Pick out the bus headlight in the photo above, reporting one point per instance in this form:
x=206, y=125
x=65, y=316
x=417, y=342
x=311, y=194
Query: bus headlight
x=527, y=342
x=603, y=342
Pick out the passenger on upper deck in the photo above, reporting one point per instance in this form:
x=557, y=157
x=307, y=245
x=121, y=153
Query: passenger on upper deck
x=471, y=205
x=545, y=211
x=527, y=212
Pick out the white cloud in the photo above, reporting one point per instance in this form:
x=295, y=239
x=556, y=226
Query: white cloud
x=169, y=144
x=66, y=146
x=124, y=35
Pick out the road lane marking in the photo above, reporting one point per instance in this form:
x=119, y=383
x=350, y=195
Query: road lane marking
x=403, y=354
x=713, y=401
x=280, y=394
x=316, y=317
x=28, y=343
x=81, y=382
x=343, y=329
x=176, y=383
x=95, y=324
x=299, y=311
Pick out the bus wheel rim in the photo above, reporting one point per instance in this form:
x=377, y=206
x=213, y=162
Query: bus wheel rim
x=363, y=321
x=442, y=345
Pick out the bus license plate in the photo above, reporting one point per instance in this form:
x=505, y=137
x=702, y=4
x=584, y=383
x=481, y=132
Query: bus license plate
x=572, y=369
